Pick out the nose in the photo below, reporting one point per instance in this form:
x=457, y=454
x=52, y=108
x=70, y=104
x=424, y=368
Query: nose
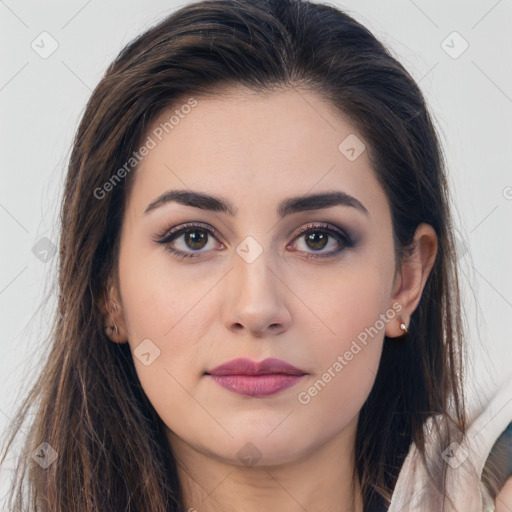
x=258, y=299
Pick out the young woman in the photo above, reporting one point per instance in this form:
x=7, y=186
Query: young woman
x=258, y=295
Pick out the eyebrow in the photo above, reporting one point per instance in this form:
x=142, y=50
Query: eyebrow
x=286, y=207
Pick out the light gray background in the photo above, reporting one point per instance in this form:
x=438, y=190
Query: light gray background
x=41, y=101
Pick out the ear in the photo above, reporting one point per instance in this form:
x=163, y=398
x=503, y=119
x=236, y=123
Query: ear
x=410, y=281
x=113, y=317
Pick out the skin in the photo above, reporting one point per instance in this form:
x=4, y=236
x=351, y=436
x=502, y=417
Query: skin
x=204, y=311
x=504, y=498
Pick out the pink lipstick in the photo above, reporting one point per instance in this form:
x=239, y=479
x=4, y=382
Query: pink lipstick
x=256, y=379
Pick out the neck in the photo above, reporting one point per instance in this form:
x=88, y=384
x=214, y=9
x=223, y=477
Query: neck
x=319, y=481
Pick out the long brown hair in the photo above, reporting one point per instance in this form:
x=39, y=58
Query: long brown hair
x=90, y=408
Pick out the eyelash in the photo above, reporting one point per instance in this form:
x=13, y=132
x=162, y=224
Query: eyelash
x=170, y=235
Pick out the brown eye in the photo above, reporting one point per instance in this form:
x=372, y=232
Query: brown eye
x=195, y=239
x=316, y=238
x=188, y=241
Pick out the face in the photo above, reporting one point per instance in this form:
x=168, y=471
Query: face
x=309, y=283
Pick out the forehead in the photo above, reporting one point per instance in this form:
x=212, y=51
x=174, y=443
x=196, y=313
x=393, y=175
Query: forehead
x=251, y=146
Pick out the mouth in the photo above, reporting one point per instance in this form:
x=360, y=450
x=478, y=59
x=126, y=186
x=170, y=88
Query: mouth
x=256, y=379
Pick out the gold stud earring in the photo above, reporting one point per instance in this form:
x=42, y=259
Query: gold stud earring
x=404, y=328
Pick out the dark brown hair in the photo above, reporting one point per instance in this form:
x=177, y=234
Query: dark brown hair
x=112, y=453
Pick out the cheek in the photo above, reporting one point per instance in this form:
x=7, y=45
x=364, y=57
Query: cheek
x=347, y=303
x=347, y=364
x=167, y=321
x=351, y=314
x=157, y=294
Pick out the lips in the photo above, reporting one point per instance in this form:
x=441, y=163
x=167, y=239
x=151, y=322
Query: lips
x=256, y=379
x=243, y=366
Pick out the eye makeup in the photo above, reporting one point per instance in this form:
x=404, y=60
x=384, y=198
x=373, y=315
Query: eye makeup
x=314, y=232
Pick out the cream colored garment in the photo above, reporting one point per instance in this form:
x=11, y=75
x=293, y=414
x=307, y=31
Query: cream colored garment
x=412, y=492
